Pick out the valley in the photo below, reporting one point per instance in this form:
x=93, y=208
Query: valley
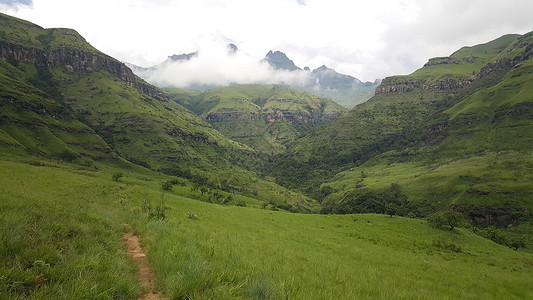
x=262, y=191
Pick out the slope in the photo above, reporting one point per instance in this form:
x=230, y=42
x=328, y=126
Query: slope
x=456, y=133
x=63, y=98
x=62, y=238
x=264, y=117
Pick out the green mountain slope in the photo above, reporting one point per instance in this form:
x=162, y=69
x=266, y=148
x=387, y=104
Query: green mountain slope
x=456, y=133
x=63, y=99
x=264, y=117
x=63, y=238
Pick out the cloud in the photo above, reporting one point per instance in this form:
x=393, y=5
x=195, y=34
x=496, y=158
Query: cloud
x=14, y=4
x=214, y=66
x=365, y=39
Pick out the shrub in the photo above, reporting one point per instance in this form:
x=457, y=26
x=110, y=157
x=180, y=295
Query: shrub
x=446, y=218
x=391, y=209
x=166, y=185
x=192, y=216
x=502, y=237
x=117, y=175
x=240, y=202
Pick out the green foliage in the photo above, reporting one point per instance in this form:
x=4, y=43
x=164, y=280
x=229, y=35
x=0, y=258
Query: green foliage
x=192, y=216
x=166, y=185
x=502, y=237
x=449, y=218
x=117, y=175
x=391, y=209
x=389, y=201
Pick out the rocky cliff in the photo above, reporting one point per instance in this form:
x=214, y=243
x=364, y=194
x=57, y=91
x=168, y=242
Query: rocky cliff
x=76, y=60
x=275, y=114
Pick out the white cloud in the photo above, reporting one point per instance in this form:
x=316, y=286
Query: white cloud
x=213, y=66
x=366, y=39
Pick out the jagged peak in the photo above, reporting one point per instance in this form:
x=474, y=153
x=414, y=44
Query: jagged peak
x=183, y=56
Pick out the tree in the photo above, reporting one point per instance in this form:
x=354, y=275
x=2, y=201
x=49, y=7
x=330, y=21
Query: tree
x=446, y=218
x=391, y=209
x=166, y=185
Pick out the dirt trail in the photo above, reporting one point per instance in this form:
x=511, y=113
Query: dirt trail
x=146, y=275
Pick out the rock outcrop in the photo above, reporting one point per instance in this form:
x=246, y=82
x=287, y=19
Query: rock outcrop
x=77, y=60
x=274, y=114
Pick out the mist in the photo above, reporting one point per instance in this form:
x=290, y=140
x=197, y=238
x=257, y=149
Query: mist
x=216, y=65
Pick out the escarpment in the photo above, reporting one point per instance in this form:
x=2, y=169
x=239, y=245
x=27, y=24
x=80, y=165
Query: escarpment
x=73, y=59
x=273, y=113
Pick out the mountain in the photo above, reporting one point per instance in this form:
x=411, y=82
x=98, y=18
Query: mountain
x=279, y=60
x=64, y=100
x=322, y=82
x=264, y=117
x=325, y=82
x=343, y=89
x=454, y=134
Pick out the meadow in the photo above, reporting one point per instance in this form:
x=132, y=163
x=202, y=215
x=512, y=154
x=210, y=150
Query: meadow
x=62, y=226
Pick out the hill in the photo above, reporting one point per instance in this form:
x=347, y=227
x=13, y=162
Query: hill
x=454, y=134
x=264, y=117
x=63, y=238
x=64, y=100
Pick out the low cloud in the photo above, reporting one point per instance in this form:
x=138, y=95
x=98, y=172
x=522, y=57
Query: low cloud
x=15, y=4
x=216, y=66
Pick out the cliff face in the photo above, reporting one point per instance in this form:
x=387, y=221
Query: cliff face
x=396, y=85
x=277, y=114
x=449, y=78
x=77, y=60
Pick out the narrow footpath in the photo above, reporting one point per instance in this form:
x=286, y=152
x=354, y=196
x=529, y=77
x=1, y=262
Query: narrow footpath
x=146, y=275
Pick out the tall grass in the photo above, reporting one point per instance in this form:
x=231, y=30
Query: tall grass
x=61, y=239
x=60, y=236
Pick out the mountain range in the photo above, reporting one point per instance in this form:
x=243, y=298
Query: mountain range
x=323, y=82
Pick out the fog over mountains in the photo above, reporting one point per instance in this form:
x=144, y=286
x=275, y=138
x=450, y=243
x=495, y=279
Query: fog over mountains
x=215, y=66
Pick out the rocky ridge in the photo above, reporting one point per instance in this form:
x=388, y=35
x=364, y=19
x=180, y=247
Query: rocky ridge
x=76, y=60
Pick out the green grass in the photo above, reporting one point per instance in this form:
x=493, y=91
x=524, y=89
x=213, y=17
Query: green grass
x=66, y=225
x=61, y=235
x=249, y=113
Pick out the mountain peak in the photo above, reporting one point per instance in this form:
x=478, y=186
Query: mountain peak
x=322, y=68
x=232, y=48
x=279, y=60
x=183, y=56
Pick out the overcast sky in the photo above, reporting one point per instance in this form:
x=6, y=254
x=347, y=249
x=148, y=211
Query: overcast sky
x=366, y=39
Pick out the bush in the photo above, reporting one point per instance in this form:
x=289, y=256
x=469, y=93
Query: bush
x=192, y=216
x=446, y=218
x=502, y=237
x=240, y=202
x=117, y=175
x=166, y=185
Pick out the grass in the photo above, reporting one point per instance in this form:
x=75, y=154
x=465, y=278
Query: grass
x=241, y=113
x=66, y=225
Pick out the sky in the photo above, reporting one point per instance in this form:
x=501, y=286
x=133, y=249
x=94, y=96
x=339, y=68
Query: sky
x=368, y=39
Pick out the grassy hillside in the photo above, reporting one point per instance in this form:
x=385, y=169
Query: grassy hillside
x=447, y=137
x=62, y=238
x=264, y=117
x=62, y=100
